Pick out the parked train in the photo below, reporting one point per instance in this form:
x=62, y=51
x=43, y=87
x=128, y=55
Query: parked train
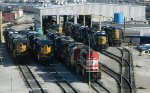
x=41, y=47
x=114, y=35
x=16, y=43
x=76, y=56
x=23, y=44
x=109, y=36
x=98, y=39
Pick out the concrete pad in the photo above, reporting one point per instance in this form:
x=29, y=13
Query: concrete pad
x=114, y=50
x=10, y=78
x=141, y=71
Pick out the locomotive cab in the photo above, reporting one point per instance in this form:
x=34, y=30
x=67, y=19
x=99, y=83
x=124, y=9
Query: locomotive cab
x=88, y=63
x=43, y=48
x=19, y=47
x=102, y=40
x=116, y=36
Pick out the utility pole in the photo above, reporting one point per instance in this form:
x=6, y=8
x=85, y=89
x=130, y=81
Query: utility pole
x=124, y=26
x=100, y=25
x=91, y=21
x=89, y=67
x=84, y=20
x=11, y=85
x=1, y=24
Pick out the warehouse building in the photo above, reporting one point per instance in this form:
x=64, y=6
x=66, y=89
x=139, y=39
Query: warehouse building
x=98, y=11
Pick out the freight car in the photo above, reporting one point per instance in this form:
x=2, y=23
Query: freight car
x=114, y=35
x=41, y=47
x=75, y=55
x=12, y=16
x=98, y=39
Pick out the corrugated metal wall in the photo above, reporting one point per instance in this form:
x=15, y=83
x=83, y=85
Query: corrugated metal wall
x=137, y=31
x=106, y=10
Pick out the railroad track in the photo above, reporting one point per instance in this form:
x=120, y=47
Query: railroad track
x=126, y=64
x=96, y=86
x=61, y=81
x=113, y=74
x=124, y=77
x=30, y=80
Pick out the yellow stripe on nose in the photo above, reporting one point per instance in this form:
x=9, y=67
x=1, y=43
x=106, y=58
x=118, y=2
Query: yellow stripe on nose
x=21, y=48
x=46, y=49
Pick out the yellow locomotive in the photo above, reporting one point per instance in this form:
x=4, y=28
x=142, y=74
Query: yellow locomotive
x=17, y=45
x=114, y=36
x=41, y=47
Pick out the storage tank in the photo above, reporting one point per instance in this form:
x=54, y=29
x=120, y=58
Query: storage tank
x=118, y=18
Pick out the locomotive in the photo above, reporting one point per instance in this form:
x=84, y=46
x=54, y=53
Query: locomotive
x=99, y=39
x=16, y=43
x=75, y=56
x=7, y=32
x=114, y=36
x=41, y=47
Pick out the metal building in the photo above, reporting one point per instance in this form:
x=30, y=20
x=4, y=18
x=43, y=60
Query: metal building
x=105, y=11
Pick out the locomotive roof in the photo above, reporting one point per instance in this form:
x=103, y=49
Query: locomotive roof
x=76, y=44
x=9, y=29
x=45, y=42
x=32, y=32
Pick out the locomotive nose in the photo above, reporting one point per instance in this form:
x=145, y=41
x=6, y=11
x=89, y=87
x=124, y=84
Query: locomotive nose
x=45, y=49
x=22, y=47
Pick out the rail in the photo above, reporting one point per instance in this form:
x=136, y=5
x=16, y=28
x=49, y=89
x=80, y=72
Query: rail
x=96, y=86
x=113, y=74
x=30, y=80
x=123, y=76
x=62, y=82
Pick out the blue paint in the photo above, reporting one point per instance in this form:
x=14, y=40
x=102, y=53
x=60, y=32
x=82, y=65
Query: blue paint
x=118, y=18
x=40, y=31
